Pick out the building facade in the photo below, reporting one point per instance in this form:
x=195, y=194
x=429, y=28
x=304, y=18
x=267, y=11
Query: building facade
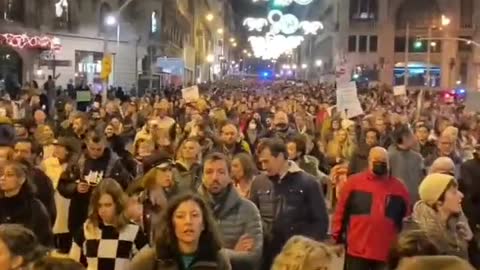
x=152, y=42
x=437, y=38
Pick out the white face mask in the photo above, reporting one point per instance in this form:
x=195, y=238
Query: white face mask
x=252, y=126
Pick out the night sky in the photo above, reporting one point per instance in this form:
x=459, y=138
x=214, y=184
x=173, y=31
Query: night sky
x=243, y=9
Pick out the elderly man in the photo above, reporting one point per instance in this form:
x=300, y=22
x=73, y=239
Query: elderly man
x=370, y=212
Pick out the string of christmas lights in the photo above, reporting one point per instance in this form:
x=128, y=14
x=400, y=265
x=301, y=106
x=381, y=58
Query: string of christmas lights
x=24, y=41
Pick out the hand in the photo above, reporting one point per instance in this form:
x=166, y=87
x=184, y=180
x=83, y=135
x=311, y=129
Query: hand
x=83, y=187
x=339, y=250
x=245, y=244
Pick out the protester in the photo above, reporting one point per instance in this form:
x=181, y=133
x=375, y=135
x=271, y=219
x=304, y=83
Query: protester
x=406, y=164
x=186, y=239
x=18, y=203
x=19, y=247
x=304, y=253
x=50, y=263
x=437, y=214
x=303, y=210
x=107, y=240
x=373, y=204
x=434, y=262
x=79, y=180
x=243, y=171
x=238, y=218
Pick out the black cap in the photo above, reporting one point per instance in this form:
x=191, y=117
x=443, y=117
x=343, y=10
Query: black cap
x=65, y=142
x=164, y=163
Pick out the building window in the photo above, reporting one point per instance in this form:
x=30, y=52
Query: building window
x=362, y=43
x=12, y=10
x=62, y=14
x=466, y=13
x=363, y=9
x=399, y=44
x=105, y=10
x=154, y=22
x=373, y=45
x=352, y=43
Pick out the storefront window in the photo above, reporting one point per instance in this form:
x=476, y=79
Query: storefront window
x=12, y=10
x=88, y=66
x=62, y=14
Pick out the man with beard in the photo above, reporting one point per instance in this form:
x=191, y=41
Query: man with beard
x=230, y=142
x=238, y=218
x=23, y=152
x=291, y=201
x=78, y=181
x=370, y=211
x=359, y=160
x=79, y=131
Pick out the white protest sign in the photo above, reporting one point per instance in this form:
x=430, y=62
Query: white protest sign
x=190, y=94
x=347, y=99
x=400, y=90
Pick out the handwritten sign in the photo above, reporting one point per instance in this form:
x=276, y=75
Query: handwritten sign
x=190, y=94
x=347, y=99
x=399, y=90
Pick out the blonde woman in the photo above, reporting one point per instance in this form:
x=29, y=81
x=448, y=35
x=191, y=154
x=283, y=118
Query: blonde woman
x=107, y=240
x=340, y=149
x=301, y=253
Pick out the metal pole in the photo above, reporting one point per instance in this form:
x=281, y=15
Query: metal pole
x=407, y=52
x=117, y=55
x=105, y=53
x=429, y=56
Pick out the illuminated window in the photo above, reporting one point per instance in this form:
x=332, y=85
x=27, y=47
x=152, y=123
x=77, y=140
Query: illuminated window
x=363, y=9
x=12, y=10
x=154, y=20
x=62, y=14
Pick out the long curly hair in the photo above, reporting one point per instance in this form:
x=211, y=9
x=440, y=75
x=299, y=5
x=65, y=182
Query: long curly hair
x=301, y=253
x=165, y=240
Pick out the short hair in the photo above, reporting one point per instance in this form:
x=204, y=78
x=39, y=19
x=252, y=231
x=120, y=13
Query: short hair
x=217, y=156
x=423, y=126
x=276, y=147
x=410, y=244
x=300, y=141
x=96, y=137
x=374, y=130
x=22, y=242
x=400, y=132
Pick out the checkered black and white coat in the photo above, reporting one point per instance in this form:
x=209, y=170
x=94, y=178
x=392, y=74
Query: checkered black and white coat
x=105, y=248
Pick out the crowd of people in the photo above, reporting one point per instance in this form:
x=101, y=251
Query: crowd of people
x=247, y=176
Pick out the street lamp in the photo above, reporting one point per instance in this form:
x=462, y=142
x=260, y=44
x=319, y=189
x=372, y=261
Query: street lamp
x=210, y=58
x=220, y=31
x=249, y=54
x=445, y=20
x=304, y=66
x=294, y=66
x=232, y=40
x=110, y=20
x=234, y=44
x=209, y=17
x=245, y=51
x=318, y=63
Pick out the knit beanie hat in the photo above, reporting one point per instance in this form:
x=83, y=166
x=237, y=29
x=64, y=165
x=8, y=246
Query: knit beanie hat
x=434, y=262
x=433, y=186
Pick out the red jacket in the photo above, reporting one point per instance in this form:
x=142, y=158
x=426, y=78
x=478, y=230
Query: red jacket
x=369, y=215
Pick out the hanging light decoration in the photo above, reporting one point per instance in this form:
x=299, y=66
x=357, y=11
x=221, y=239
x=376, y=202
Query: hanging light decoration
x=286, y=3
x=25, y=41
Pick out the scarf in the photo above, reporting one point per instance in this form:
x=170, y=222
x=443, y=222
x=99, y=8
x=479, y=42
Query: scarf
x=447, y=238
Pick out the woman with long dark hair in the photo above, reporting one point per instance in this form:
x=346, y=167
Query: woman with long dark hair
x=107, y=240
x=186, y=239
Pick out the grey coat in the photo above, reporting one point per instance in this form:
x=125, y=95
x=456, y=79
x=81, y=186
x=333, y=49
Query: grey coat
x=408, y=166
x=235, y=218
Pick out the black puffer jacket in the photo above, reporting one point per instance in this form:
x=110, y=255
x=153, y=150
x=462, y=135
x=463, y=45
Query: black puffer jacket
x=109, y=164
x=28, y=211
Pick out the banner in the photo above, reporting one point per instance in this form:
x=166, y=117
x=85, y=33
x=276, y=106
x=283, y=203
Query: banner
x=347, y=100
x=400, y=90
x=190, y=94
